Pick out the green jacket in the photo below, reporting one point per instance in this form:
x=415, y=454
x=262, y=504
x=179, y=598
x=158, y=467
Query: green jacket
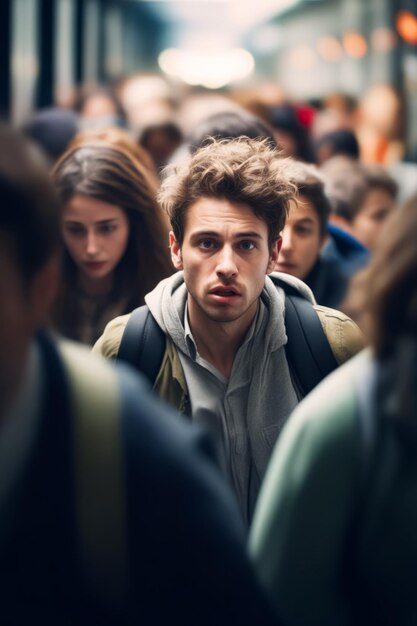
x=334, y=532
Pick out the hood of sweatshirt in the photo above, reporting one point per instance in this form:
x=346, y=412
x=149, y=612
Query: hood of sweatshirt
x=167, y=304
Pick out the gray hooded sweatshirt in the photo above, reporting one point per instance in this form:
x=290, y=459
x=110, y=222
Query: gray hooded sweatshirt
x=247, y=411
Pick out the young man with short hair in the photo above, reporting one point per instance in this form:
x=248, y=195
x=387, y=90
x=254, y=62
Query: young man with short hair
x=225, y=362
x=304, y=235
x=111, y=508
x=362, y=197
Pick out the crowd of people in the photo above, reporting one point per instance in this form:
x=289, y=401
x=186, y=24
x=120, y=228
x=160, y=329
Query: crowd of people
x=207, y=383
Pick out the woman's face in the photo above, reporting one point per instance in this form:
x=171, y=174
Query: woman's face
x=96, y=234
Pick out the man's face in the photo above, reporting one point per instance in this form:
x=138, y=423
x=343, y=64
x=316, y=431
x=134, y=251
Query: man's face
x=301, y=239
x=225, y=257
x=367, y=223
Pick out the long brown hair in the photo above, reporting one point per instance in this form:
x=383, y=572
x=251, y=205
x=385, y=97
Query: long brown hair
x=111, y=174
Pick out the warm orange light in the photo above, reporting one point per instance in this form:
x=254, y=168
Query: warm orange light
x=407, y=26
x=355, y=44
x=383, y=39
x=329, y=49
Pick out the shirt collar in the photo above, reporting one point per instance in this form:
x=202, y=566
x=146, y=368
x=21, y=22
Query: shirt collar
x=189, y=339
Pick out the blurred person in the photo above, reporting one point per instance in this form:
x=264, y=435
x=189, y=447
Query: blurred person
x=115, y=238
x=225, y=360
x=229, y=124
x=334, y=143
x=161, y=140
x=112, y=510
x=333, y=537
x=381, y=125
x=52, y=128
x=362, y=197
x=290, y=133
x=304, y=235
x=338, y=111
x=99, y=108
x=148, y=99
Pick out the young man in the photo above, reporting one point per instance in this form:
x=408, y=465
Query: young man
x=362, y=195
x=225, y=361
x=304, y=235
x=111, y=509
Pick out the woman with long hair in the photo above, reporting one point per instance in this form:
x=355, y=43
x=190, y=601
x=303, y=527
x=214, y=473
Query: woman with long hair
x=334, y=537
x=114, y=234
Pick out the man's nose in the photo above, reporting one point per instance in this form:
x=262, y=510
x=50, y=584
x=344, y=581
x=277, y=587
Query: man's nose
x=287, y=242
x=226, y=264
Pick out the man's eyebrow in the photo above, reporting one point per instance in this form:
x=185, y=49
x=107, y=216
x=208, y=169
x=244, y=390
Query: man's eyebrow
x=214, y=233
x=305, y=219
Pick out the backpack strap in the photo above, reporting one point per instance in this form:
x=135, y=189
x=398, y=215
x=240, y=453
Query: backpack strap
x=143, y=343
x=308, y=350
x=100, y=499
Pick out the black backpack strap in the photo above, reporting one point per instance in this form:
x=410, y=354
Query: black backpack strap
x=308, y=351
x=143, y=343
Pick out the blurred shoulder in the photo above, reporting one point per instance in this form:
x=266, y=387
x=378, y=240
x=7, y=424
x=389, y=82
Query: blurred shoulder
x=108, y=344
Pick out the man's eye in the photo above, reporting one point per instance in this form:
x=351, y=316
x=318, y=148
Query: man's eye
x=206, y=244
x=246, y=245
x=303, y=231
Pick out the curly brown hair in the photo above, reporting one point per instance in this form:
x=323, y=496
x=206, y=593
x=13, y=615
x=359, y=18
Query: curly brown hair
x=249, y=171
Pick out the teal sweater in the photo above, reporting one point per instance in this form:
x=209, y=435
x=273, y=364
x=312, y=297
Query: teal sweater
x=320, y=556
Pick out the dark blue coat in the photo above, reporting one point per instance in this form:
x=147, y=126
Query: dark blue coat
x=187, y=546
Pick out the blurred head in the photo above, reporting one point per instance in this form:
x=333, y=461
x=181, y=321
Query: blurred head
x=29, y=243
x=304, y=232
x=362, y=197
x=290, y=134
x=229, y=125
x=245, y=171
x=111, y=220
x=383, y=297
x=341, y=141
x=100, y=108
x=160, y=141
x=52, y=129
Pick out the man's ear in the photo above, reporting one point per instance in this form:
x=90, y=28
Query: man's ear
x=273, y=257
x=175, y=251
x=44, y=290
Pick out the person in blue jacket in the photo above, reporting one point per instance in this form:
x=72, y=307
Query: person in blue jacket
x=111, y=508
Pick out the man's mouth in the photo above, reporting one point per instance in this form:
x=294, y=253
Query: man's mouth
x=225, y=291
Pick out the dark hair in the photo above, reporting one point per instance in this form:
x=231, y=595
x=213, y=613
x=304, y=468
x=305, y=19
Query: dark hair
x=342, y=141
x=30, y=214
x=311, y=185
x=111, y=174
x=52, y=128
x=383, y=297
x=244, y=170
x=285, y=117
x=229, y=125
